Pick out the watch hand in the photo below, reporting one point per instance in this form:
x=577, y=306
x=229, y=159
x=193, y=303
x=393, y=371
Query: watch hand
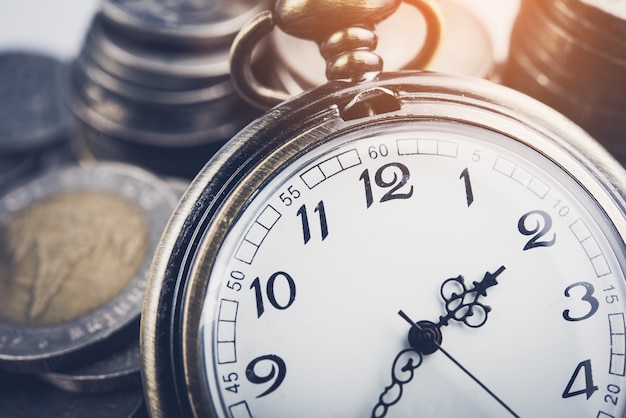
x=425, y=337
x=465, y=370
x=405, y=362
x=462, y=303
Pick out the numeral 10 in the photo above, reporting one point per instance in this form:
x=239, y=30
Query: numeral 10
x=270, y=292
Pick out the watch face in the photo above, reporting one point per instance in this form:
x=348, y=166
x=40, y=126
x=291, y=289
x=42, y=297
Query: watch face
x=406, y=267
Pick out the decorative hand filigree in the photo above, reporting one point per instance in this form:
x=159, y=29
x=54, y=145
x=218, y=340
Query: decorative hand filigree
x=462, y=305
x=401, y=373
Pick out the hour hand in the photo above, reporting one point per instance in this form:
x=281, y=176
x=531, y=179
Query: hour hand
x=402, y=372
x=462, y=303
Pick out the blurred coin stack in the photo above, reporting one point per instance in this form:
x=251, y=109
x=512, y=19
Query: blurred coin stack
x=33, y=119
x=571, y=55
x=151, y=84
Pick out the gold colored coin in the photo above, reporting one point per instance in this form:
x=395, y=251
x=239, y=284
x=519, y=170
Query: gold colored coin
x=56, y=256
x=75, y=247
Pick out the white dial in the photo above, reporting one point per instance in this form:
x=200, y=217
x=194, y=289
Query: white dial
x=311, y=295
x=413, y=245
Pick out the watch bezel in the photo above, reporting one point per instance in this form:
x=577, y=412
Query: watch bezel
x=178, y=281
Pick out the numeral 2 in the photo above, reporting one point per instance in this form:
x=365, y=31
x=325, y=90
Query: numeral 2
x=543, y=224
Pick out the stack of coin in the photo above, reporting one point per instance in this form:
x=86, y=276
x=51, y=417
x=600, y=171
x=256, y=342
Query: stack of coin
x=571, y=54
x=151, y=84
x=34, y=122
x=76, y=244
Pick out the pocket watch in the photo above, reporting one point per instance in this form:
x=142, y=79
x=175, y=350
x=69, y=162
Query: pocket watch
x=392, y=245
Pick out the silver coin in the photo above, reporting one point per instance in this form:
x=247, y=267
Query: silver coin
x=184, y=160
x=129, y=113
x=153, y=123
x=32, y=112
x=114, y=371
x=218, y=88
x=199, y=22
x=158, y=67
x=26, y=396
x=75, y=248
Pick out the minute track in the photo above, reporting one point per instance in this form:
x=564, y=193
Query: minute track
x=396, y=254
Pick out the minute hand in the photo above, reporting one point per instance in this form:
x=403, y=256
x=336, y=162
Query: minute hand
x=462, y=303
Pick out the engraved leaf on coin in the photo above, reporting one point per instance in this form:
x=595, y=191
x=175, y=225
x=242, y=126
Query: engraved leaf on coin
x=72, y=253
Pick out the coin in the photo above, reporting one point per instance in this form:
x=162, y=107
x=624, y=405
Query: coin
x=571, y=55
x=183, y=160
x=75, y=247
x=32, y=112
x=187, y=22
x=597, y=24
x=165, y=109
x=114, y=371
x=27, y=396
x=594, y=84
x=153, y=66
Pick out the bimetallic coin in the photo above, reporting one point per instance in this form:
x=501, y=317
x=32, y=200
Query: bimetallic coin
x=115, y=371
x=466, y=48
x=32, y=112
x=75, y=247
x=198, y=22
x=26, y=396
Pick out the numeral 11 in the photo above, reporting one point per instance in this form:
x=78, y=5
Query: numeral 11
x=306, y=229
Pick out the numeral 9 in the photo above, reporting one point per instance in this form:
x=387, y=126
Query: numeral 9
x=276, y=373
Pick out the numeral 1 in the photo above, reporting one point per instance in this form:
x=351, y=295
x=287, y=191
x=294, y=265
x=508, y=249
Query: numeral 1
x=469, y=195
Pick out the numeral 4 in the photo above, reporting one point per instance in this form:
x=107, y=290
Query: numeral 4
x=582, y=372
